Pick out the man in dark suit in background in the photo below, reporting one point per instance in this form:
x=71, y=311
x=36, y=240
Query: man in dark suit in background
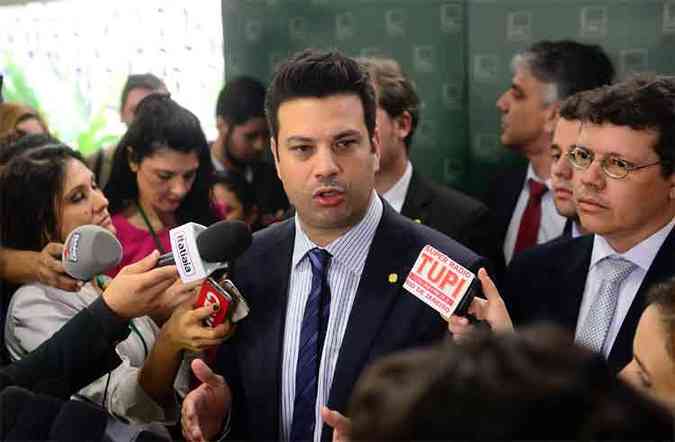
x=565, y=137
x=542, y=76
x=310, y=333
x=624, y=190
x=459, y=216
x=243, y=137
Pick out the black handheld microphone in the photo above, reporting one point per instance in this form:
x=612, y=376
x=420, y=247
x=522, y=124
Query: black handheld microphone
x=198, y=251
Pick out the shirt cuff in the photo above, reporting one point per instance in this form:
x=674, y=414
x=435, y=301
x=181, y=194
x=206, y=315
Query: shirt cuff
x=114, y=327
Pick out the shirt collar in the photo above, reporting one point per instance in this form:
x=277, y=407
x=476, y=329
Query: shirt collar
x=396, y=195
x=531, y=174
x=642, y=254
x=349, y=248
x=217, y=165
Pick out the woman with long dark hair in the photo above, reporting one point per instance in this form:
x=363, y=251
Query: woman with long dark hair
x=160, y=177
x=63, y=196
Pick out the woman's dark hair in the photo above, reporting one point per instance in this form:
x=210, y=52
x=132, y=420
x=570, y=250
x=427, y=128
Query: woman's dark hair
x=32, y=183
x=662, y=295
x=13, y=144
x=238, y=185
x=162, y=123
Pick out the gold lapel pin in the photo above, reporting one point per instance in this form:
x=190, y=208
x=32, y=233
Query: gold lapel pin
x=418, y=221
x=393, y=278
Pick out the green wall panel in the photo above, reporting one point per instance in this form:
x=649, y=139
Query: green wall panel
x=457, y=52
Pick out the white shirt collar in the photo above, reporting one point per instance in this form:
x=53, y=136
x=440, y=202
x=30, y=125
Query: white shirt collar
x=349, y=244
x=642, y=254
x=217, y=165
x=396, y=195
x=531, y=174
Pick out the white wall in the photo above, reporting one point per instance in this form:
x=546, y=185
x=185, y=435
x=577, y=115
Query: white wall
x=74, y=56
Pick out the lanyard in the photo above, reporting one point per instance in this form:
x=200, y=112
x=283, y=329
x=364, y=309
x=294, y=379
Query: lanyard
x=158, y=243
x=102, y=282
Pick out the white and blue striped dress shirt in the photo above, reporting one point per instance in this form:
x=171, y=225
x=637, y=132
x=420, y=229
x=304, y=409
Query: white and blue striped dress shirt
x=344, y=273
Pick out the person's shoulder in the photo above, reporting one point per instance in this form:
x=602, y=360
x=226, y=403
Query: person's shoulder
x=447, y=198
x=419, y=235
x=30, y=297
x=551, y=253
x=270, y=236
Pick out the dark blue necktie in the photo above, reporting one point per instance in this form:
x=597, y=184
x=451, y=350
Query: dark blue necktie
x=312, y=334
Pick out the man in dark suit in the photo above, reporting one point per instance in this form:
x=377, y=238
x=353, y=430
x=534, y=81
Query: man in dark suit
x=624, y=190
x=293, y=354
x=457, y=215
x=544, y=74
x=564, y=139
x=242, y=140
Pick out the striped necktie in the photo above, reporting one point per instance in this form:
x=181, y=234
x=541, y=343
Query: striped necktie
x=312, y=334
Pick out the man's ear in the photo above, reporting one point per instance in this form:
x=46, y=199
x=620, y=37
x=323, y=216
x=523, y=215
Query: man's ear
x=275, y=154
x=672, y=186
x=375, y=142
x=222, y=127
x=552, y=115
x=133, y=164
x=403, y=124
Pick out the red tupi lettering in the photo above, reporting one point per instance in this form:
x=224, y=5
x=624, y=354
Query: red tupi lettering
x=440, y=275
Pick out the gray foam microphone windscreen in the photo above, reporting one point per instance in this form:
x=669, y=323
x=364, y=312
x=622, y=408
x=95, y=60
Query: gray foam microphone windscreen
x=90, y=250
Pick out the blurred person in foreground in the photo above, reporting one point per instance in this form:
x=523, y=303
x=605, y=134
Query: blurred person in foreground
x=532, y=385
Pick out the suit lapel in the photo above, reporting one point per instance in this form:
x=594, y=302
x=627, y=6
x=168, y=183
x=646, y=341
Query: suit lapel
x=389, y=253
x=570, y=273
x=266, y=358
x=418, y=199
x=662, y=267
x=511, y=185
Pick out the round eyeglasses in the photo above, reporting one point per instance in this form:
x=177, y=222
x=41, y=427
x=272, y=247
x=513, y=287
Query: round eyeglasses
x=614, y=167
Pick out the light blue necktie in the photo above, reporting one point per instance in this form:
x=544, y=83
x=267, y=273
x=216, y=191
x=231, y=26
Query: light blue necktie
x=593, y=333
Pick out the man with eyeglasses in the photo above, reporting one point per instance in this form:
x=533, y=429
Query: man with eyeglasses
x=543, y=76
x=623, y=186
x=565, y=137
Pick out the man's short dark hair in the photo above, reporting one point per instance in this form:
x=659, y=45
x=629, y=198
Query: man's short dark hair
x=534, y=385
x=569, y=65
x=241, y=99
x=576, y=106
x=395, y=92
x=140, y=81
x=643, y=102
x=313, y=73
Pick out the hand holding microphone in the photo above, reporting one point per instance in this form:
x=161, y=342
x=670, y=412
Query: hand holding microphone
x=90, y=250
x=198, y=251
x=137, y=289
x=491, y=310
x=49, y=270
